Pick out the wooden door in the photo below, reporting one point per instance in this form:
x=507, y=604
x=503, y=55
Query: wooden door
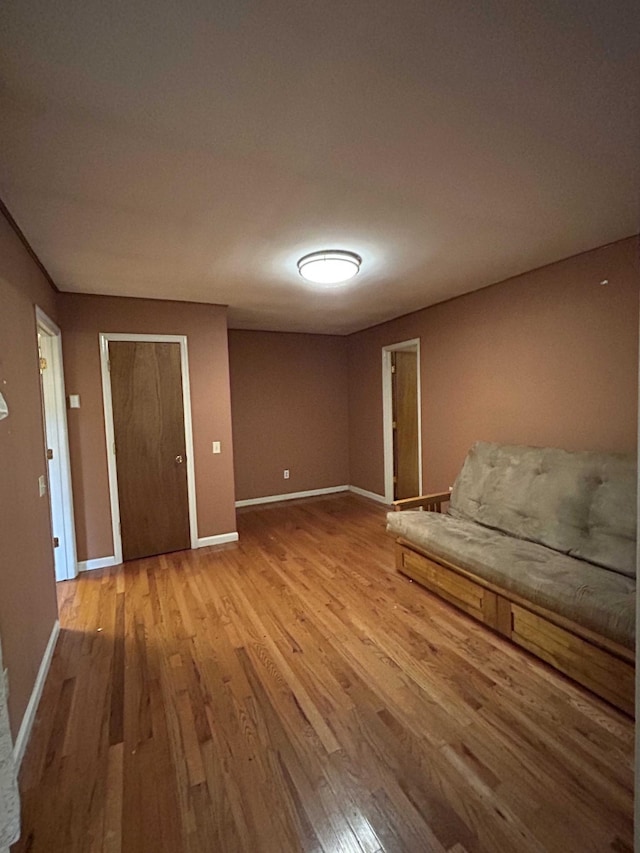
x=148, y=423
x=406, y=463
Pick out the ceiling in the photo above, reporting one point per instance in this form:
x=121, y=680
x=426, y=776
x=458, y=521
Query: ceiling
x=194, y=150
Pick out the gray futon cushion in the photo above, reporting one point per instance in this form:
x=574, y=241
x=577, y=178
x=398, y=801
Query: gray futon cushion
x=579, y=503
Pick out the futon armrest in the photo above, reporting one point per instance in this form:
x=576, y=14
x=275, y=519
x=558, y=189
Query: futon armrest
x=429, y=502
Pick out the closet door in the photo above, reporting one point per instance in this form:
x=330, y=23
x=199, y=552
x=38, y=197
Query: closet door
x=148, y=422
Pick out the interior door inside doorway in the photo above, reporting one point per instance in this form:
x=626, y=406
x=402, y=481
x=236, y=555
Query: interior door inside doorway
x=149, y=432
x=404, y=393
x=54, y=434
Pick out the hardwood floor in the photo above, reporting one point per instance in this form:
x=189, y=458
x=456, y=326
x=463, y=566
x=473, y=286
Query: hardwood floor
x=293, y=693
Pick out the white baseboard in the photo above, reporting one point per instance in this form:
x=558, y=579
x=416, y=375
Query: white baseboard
x=219, y=539
x=373, y=496
x=30, y=713
x=98, y=563
x=290, y=496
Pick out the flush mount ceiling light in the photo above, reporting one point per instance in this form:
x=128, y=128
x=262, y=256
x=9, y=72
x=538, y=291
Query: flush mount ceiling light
x=331, y=266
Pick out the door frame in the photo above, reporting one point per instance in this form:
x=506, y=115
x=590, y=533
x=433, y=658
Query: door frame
x=54, y=413
x=412, y=345
x=105, y=338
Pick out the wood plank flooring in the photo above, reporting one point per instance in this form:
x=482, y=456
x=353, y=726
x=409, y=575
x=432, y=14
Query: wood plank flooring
x=293, y=693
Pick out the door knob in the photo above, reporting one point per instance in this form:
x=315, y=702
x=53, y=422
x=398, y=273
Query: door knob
x=179, y=459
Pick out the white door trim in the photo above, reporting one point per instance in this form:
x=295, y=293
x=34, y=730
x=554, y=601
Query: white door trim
x=412, y=345
x=58, y=478
x=105, y=338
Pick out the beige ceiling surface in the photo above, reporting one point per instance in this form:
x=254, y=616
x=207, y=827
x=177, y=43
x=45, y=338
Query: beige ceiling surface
x=195, y=150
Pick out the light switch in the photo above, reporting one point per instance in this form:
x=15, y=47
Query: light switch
x=216, y=447
x=74, y=401
x=42, y=485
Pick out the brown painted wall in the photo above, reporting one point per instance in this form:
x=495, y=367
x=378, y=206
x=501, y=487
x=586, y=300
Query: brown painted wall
x=82, y=319
x=28, y=607
x=289, y=404
x=548, y=358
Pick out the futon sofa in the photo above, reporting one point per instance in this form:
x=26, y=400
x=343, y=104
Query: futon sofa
x=539, y=544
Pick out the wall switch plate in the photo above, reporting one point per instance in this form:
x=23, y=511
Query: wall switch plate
x=285, y=473
x=42, y=485
x=216, y=447
x=74, y=401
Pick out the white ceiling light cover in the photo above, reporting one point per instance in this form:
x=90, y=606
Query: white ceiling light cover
x=330, y=266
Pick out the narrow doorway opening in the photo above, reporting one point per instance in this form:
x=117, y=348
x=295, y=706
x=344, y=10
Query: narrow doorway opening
x=402, y=420
x=54, y=415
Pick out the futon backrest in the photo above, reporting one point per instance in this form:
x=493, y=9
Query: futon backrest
x=579, y=503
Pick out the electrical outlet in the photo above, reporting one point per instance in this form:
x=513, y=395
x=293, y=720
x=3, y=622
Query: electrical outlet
x=216, y=447
x=285, y=473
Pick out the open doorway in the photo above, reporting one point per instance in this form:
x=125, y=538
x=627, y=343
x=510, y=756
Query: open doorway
x=402, y=420
x=57, y=446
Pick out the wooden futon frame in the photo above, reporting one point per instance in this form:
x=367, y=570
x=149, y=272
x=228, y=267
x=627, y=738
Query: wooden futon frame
x=603, y=666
